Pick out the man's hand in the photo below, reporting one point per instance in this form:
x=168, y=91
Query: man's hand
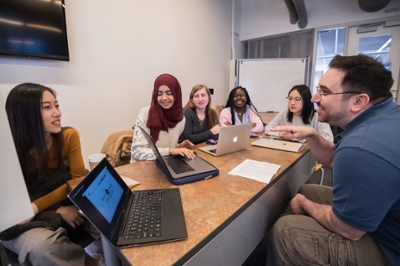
x=296, y=203
x=294, y=132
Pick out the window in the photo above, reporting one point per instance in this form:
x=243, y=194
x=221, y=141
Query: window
x=329, y=43
x=377, y=47
x=291, y=45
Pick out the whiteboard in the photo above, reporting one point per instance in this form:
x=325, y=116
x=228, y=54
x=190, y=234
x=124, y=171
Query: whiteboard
x=15, y=205
x=268, y=81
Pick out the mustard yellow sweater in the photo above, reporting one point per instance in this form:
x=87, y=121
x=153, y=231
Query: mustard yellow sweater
x=72, y=156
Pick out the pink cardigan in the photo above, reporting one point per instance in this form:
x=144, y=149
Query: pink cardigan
x=226, y=116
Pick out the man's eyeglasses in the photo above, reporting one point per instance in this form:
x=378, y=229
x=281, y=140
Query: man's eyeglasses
x=323, y=92
x=296, y=99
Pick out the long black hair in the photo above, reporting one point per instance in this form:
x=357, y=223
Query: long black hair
x=23, y=107
x=308, y=107
x=230, y=103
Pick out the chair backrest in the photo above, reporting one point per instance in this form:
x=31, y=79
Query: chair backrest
x=117, y=147
x=218, y=109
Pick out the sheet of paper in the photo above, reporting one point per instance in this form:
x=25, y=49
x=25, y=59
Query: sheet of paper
x=15, y=205
x=260, y=171
x=130, y=182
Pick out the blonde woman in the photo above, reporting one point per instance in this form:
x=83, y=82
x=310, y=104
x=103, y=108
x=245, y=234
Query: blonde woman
x=201, y=120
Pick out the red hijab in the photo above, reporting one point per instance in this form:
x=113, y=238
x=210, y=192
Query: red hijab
x=160, y=118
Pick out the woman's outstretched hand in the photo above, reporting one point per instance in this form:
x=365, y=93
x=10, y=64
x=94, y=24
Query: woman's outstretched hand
x=182, y=151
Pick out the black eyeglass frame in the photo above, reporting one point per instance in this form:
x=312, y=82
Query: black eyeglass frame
x=296, y=99
x=332, y=93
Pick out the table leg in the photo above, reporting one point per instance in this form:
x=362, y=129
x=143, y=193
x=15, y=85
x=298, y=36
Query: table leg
x=109, y=254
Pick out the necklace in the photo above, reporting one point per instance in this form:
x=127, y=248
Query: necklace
x=240, y=113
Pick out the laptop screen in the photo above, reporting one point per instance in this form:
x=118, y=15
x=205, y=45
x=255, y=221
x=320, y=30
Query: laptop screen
x=105, y=194
x=102, y=196
x=154, y=148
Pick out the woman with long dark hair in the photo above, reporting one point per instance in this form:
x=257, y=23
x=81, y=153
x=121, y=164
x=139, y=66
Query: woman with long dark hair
x=49, y=155
x=300, y=112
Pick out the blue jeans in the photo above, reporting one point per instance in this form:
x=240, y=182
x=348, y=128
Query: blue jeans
x=301, y=240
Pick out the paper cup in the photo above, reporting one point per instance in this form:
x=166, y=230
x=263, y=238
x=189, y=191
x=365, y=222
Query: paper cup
x=94, y=159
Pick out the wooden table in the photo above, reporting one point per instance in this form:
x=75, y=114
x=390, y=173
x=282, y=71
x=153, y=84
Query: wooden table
x=226, y=216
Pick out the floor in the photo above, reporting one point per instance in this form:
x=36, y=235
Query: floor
x=258, y=256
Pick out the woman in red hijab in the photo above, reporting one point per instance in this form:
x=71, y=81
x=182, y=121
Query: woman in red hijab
x=163, y=120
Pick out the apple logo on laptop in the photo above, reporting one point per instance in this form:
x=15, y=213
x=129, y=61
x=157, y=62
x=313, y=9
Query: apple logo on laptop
x=235, y=139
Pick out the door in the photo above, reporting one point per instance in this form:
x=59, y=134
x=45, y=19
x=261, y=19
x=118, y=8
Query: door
x=378, y=41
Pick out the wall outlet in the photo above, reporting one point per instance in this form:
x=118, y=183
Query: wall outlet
x=211, y=91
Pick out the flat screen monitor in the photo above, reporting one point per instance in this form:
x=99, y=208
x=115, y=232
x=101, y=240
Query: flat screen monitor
x=33, y=28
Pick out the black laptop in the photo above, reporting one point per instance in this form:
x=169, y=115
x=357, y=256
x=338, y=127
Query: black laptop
x=129, y=218
x=179, y=169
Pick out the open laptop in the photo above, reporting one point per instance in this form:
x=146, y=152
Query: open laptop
x=129, y=218
x=279, y=144
x=179, y=169
x=231, y=139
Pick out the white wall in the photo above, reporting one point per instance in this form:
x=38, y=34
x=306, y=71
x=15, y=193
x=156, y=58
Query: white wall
x=117, y=49
x=260, y=18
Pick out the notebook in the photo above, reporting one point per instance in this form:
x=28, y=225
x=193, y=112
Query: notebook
x=129, y=218
x=285, y=145
x=231, y=139
x=179, y=169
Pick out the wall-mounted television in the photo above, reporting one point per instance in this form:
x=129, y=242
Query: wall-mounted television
x=33, y=28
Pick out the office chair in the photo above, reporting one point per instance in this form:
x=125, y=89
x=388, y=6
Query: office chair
x=12, y=258
x=218, y=109
x=117, y=147
x=318, y=166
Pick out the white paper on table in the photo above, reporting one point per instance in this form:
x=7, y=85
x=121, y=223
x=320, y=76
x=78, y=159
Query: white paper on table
x=260, y=171
x=129, y=181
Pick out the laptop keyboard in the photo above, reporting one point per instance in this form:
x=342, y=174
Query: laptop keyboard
x=178, y=165
x=145, y=216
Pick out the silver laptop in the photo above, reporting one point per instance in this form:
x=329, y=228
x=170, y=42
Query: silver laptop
x=179, y=169
x=278, y=144
x=231, y=139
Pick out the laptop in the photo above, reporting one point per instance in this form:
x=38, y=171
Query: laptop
x=279, y=144
x=231, y=139
x=127, y=218
x=180, y=169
